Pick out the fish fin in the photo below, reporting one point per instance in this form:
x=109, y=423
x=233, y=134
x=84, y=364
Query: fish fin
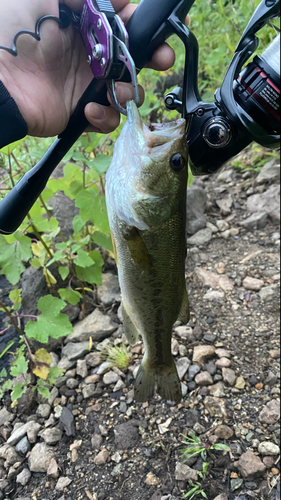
x=164, y=378
x=144, y=385
x=137, y=248
x=169, y=384
x=184, y=315
x=114, y=249
x=131, y=332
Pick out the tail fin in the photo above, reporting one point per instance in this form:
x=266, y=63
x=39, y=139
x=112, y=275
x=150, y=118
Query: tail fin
x=163, y=378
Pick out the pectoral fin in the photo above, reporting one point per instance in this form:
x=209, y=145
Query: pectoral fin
x=137, y=248
x=184, y=315
x=131, y=332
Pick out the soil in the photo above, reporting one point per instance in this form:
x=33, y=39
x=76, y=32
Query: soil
x=239, y=322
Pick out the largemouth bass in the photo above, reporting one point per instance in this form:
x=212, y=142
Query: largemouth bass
x=146, y=202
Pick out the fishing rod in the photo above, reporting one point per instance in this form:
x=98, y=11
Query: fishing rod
x=246, y=107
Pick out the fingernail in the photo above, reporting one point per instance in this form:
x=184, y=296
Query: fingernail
x=124, y=93
x=97, y=112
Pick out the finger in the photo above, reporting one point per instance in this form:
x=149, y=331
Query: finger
x=125, y=93
x=163, y=58
x=106, y=119
x=103, y=119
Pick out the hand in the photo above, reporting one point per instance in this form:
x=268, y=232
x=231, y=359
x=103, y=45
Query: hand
x=47, y=78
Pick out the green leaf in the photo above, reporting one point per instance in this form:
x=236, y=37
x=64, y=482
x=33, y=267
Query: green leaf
x=70, y=295
x=54, y=373
x=43, y=391
x=103, y=240
x=51, y=323
x=83, y=259
x=14, y=249
x=6, y=348
x=77, y=223
x=7, y=150
x=101, y=163
x=93, y=208
x=18, y=391
x=3, y=372
x=64, y=272
x=92, y=274
x=221, y=447
x=19, y=367
x=15, y=298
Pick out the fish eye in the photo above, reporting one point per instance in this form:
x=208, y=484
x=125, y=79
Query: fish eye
x=177, y=162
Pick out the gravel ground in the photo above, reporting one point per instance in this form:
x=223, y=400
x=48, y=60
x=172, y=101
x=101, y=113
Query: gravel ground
x=105, y=446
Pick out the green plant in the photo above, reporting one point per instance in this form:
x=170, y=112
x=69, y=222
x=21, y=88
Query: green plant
x=195, y=446
x=117, y=356
x=196, y=488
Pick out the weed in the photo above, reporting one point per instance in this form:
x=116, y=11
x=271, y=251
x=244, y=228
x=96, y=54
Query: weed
x=118, y=356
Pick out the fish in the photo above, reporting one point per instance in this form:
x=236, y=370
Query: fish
x=145, y=194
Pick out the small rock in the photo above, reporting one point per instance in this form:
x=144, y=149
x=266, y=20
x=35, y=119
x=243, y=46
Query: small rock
x=215, y=406
x=116, y=457
x=53, y=395
x=229, y=376
x=234, y=231
x=268, y=293
x=225, y=234
x=213, y=295
x=252, y=283
x=109, y=291
x=250, y=466
x=204, y=379
x=82, y=369
x=23, y=446
x=222, y=225
x=235, y=484
x=24, y=476
x=110, y=378
x=213, y=228
x=96, y=441
x=92, y=379
x=97, y=325
x=75, y=351
x=225, y=206
x=9, y=454
x=269, y=172
x=67, y=421
x=52, y=436
x=268, y=448
x=184, y=332
x=175, y=347
x=192, y=417
x=101, y=457
x=223, y=363
x=268, y=462
x=217, y=390
x=223, y=353
x=182, y=366
x=88, y=391
x=223, y=496
x=6, y=417
x=240, y=383
x=268, y=202
x=258, y=220
x=223, y=432
x=199, y=429
x=202, y=237
x=202, y=352
x=127, y=435
x=44, y=410
x=40, y=457
x=193, y=370
x=72, y=383
x=32, y=432
x=62, y=483
x=151, y=479
x=93, y=359
x=184, y=473
x=270, y=414
x=104, y=367
x=19, y=432
x=274, y=353
x=53, y=469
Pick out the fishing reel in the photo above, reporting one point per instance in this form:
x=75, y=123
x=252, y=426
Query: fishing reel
x=246, y=107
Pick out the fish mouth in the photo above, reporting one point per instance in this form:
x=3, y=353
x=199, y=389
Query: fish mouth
x=156, y=134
